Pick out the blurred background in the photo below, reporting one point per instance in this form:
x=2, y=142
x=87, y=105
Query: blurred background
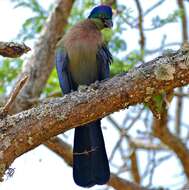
x=140, y=149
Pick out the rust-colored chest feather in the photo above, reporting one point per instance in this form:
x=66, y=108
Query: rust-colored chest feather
x=81, y=43
x=83, y=35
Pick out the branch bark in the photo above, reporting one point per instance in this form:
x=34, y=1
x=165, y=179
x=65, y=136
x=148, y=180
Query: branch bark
x=26, y=130
x=12, y=49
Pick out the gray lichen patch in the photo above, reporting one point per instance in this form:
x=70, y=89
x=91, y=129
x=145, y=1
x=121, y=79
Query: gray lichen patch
x=147, y=99
x=7, y=142
x=168, y=52
x=137, y=74
x=30, y=140
x=2, y=169
x=185, y=46
x=149, y=90
x=59, y=117
x=164, y=72
x=183, y=65
x=186, y=60
x=1, y=155
x=82, y=88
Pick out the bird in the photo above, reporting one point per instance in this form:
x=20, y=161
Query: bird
x=82, y=57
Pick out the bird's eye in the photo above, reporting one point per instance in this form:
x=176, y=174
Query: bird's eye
x=103, y=20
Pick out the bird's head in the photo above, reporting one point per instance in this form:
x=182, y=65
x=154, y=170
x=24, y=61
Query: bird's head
x=102, y=16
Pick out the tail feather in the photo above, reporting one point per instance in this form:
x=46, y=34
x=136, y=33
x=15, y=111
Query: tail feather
x=90, y=162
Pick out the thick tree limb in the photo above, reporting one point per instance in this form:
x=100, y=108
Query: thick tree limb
x=26, y=130
x=64, y=150
x=12, y=49
x=40, y=64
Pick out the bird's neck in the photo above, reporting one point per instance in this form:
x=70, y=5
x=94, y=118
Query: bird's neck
x=99, y=24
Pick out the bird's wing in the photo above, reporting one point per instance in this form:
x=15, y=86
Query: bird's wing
x=62, y=70
x=104, y=59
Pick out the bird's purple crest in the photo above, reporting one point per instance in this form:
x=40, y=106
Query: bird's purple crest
x=101, y=11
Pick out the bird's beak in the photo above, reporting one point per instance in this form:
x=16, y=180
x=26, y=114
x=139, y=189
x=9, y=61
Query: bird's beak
x=108, y=23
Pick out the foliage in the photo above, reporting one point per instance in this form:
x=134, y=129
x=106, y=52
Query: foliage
x=52, y=83
x=9, y=69
x=32, y=26
x=158, y=22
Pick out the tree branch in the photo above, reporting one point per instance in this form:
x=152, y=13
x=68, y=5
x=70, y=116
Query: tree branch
x=122, y=184
x=183, y=20
x=6, y=109
x=12, y=49
x=174, y=143
x=134, y=167
x=140, y=26
x=26, y=130
x=61, y=148
x=140, y=144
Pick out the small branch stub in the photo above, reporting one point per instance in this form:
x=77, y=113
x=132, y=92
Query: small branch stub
x=12, y=49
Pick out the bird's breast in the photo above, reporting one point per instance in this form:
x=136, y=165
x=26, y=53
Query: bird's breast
x=82, y=64
x=81, y=45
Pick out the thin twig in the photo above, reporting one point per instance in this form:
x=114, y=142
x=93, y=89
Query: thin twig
x=181, y=94
x=153, y=7
x=115, y=148
x=134, y=167
x=6, y=109
x=140, y=27
x=183, y=20
x=135, y=119
x=114, y=123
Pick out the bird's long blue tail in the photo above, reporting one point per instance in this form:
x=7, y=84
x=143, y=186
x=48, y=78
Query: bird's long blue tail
x=90, y=162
